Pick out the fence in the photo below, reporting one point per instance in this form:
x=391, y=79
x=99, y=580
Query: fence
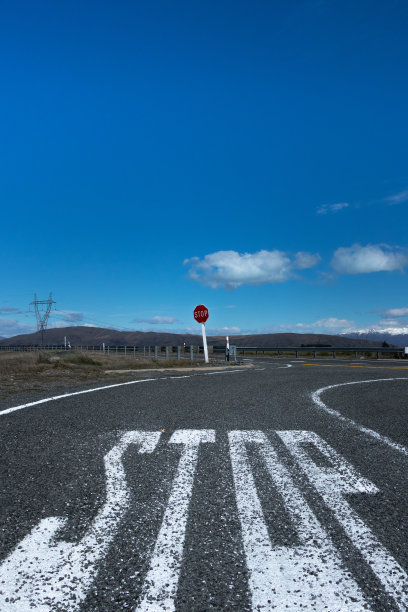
x=398, y=352
x=193, y=352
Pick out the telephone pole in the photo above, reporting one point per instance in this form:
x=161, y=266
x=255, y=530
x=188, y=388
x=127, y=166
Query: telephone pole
x=42, y=309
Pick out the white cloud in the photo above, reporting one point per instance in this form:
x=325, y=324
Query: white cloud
x=331, y=323
x=402, y=196
x=385, y=323
x=224, y=331
x=306, y=260
x=69, y=316
x=157, y=320
x=230, y=269
x=12, y=327
x=227, y=330
x=359, y=259
x=396, y=312
x=328, y=208
x=7, y=309
x=63, y=323
x=72, y=317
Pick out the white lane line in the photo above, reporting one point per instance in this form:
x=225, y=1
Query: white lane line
x=224, y=372
x=44, y=573
x=335, y=483
x=176, y=377
x=131, y=382
x=308, y=576
x=57, y=397
x=259, y=369
x=287, y=365
x=160, y=586
x=370, y=432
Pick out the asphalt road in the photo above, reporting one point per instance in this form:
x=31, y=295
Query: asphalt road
x=283, y=487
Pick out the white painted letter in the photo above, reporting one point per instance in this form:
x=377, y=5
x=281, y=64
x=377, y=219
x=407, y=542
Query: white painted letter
x=45, y=574
x=160, y=586
x=308, y=576
x=333, y=483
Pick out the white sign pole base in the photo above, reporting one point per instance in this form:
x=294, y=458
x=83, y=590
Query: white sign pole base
x=204, y=343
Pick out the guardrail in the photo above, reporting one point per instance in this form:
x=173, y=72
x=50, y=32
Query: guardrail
x=297, y=350
x=196, y=352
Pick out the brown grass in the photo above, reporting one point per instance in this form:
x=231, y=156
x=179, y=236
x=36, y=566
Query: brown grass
x=22, y=372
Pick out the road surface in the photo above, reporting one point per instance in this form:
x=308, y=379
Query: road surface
x=281, y=487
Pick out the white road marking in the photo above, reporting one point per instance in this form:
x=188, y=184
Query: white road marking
x=308, y=576
x=333, y=484
x=224, y=372
x=44, y=573
x=374, y=434
x=131, y=382
x=160, y=586
x=175, y=377
x=57, y=397
x=287, y=365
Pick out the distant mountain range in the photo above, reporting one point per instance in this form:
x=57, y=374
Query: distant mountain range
x=95, y=336
x=395, y=336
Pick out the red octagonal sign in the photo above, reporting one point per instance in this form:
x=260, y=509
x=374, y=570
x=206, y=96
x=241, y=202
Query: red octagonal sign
x=201, y=313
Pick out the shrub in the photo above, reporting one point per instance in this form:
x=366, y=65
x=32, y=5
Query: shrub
x=83, y=360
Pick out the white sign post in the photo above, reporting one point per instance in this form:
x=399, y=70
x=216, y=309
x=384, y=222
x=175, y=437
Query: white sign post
x=201, y=315
x=204, y=343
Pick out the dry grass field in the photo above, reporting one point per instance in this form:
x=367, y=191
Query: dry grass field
x=28, y=372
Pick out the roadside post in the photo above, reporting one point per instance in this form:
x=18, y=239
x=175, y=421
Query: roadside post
x=201, y=316
x=227, y=350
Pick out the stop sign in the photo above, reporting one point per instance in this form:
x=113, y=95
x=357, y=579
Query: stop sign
x=201, y=313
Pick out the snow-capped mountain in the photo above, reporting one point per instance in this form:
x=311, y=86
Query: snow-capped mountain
x=392, y=335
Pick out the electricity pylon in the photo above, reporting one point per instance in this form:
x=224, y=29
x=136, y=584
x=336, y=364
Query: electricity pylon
x=42, y=310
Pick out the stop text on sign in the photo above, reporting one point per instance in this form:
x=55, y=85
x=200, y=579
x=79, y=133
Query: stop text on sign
x=201, y=313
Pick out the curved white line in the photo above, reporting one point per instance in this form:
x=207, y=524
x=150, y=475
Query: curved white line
x=130, y=382
x=370, y=432
x=55, y=397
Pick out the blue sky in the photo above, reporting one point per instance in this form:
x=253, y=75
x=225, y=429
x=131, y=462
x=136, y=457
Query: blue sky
x=251, y=156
